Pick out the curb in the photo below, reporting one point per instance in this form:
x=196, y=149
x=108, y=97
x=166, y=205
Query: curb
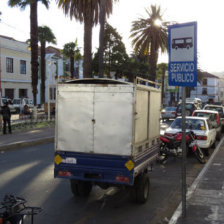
x=178, y=212
x=22, y=144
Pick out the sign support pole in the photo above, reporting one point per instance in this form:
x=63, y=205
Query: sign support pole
x=183, y=153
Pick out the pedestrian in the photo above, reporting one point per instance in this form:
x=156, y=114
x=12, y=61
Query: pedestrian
x=6, y=114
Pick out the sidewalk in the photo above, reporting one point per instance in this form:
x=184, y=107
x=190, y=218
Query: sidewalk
x=205, y=198
x=26, y=138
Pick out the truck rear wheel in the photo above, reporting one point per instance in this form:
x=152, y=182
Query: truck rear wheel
x=140, y=190
x=80, y=188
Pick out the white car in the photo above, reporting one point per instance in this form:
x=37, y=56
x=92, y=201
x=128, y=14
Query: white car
x=201, y=126
x=214, y=119
x=218, y=108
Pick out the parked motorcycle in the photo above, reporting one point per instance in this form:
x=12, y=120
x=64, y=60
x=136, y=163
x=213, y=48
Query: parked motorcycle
x=14, y=211
x=171, y=146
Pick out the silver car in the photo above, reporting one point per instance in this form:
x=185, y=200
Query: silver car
x=168, y=113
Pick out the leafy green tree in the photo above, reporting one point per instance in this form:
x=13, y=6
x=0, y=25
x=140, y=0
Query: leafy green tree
x=149, y=37
x=33, y=37
x=115, y=54
x=69, y=50
x=45, y=35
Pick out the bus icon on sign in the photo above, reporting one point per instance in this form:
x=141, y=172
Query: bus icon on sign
x=184, y=42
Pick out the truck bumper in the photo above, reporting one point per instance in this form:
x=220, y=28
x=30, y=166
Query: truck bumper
x=94, y=168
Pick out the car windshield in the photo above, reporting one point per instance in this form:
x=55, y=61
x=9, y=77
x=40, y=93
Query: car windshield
x=16, y=101
x=219, y=109
x=194, y=124
x=4, y=101
x=170, y=109
x=188, y=106
x=202, y=114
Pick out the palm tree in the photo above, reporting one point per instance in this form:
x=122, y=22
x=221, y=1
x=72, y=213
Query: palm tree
x=106, y=7
x=45, y=35
x=33, y=37
x=86, y=11
x=149, y=37
x=69, y=50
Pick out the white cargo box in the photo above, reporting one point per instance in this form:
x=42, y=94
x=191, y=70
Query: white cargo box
x=108, y=117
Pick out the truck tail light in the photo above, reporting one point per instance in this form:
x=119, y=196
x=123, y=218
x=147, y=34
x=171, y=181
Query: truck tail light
x=1, y=221
x=201, y=137
x=217, y=119
x=64, y=174
x=122, y=179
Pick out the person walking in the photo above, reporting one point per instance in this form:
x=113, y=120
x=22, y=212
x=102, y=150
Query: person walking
x=6, y=114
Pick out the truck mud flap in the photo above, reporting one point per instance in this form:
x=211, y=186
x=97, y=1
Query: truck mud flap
x=94, y=167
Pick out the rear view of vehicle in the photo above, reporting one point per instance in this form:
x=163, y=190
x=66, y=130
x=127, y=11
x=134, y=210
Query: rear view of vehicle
x=168, y=113
x=202, y=128
x=107, y=133
x=213, y=116
x=219, y=109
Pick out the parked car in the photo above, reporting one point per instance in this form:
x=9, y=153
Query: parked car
x=214, y=119
x=220, y=110
x=169, y=113
x=201, y=126
x=19, y=104
x=11, y=107
x=189, y=106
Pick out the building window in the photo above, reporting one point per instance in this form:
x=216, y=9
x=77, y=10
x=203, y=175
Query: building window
x=204, y=91
x=22, y=93
x=205, y=82
x=22, y=67
x=9, y=65
x=9, y=93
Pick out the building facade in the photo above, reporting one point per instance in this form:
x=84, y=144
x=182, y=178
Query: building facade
x=15, y=68
x=209, y=89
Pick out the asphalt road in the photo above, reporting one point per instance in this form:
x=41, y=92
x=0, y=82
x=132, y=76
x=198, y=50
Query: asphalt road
x=28, y=173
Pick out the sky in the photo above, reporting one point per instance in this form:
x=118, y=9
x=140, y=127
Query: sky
x=207, y=13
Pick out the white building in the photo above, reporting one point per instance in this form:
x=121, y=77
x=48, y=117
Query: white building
x=57, y=68
x=15, y=69
x=210, y=89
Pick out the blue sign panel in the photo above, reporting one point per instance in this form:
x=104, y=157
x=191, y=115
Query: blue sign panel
x=182, y=46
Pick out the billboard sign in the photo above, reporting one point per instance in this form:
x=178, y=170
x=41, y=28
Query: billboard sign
x=182, y=47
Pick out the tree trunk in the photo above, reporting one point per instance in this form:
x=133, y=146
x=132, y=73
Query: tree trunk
x=87, y=63
x=153, y=58
x=101, y=37
x=43, y=67
x=72, y=65
x=34, y=48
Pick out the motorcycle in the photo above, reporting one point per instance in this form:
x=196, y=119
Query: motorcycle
x=14, y=210
x=171, y=146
